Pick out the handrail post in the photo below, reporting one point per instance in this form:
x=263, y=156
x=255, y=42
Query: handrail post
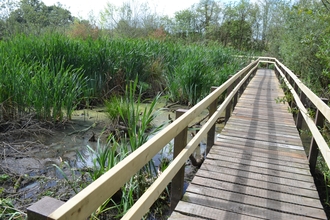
x=299, y=116
x=241, y=89
x=291, y=82
x=314, y=150
x=229, y=106
x=180, y=142
x=211, y=133
x=236, y=94
x=43, y=208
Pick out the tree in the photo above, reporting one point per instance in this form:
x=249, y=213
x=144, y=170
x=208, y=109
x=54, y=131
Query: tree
x=208, y=12
x=6, y=6
x=132, y=19
x=300, y=39
x=237, y=27
x=34, y=16
x=185, y=24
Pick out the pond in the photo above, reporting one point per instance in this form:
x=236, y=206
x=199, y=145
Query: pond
x=29, y=162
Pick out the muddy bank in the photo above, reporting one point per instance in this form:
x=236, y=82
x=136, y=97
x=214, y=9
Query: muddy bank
x=27, y=171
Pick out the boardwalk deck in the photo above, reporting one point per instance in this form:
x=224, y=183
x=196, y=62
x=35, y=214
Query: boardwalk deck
x=257, y=168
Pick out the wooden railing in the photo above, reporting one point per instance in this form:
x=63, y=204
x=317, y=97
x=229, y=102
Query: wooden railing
x=302, y=95
x=89, y=199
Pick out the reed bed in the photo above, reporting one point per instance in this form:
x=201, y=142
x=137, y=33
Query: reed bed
x=53, y=73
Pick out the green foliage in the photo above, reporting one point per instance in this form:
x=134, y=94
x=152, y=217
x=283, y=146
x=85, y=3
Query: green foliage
x=33, y=16
x=105, y=157
x=3, y=178
x=138, y=119
x=43, y=87
x=72, y=180
x=197, y=69
x=52, y=73
x=114, y=106
x=300, y=39
x=8, y=211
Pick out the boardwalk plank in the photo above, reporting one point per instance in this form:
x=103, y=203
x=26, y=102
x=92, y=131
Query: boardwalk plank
x=257, y=168
x=256, y=204
x=262, y=183
x=271, y=137
x=270, y=145
x=243, y=155
x=253, y=191
x=248, y=162
x=261, y=170
x=266, y=153
x=258, y=175
x=207, y=212
x=261, y=146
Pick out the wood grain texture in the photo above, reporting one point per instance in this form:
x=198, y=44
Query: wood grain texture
x=257, y=167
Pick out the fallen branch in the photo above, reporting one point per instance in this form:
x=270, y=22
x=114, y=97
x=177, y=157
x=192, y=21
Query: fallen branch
x=170, y=105
x=83, y=130
x=199, y=122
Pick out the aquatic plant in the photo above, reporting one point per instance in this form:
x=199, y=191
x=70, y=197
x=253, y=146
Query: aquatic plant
x=43, y=89
x=106, y=66
x=8, y=211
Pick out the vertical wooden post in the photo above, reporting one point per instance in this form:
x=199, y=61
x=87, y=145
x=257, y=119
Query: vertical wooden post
x=229, y=106
x=43, y=208
x=299, y=116
x=211, y=132
x=295, y=87
x=314, y=150
x=236, y=94
x=241, y=89
x=180, y=142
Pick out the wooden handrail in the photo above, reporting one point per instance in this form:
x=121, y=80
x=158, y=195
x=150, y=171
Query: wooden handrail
x=318, y=103
x=89, y=199
x=151, y=195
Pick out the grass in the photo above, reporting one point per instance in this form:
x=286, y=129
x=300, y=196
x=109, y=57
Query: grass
x=8, y=211
x=45, y=89
x=52, y=73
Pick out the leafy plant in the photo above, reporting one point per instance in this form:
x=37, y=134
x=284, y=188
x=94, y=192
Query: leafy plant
x=74, y=180
x=8, y=211
x=137, y=119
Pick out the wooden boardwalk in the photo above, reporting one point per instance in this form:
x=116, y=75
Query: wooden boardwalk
x=257, y=168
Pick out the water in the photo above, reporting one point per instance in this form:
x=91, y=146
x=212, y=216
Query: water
x=40, y=174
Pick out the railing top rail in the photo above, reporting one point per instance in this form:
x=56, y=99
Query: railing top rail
x=319, y=104
x=140, y=207
x=322, y=144
x=90, y=198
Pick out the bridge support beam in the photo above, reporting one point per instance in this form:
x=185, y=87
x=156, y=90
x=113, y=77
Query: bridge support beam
x=180, y=142
x=211, y=133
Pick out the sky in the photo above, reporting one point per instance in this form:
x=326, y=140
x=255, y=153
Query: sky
x=81, y=8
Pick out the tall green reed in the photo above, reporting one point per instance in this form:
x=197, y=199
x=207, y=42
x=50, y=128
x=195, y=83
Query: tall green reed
x=44, y=89
x=183, y=71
